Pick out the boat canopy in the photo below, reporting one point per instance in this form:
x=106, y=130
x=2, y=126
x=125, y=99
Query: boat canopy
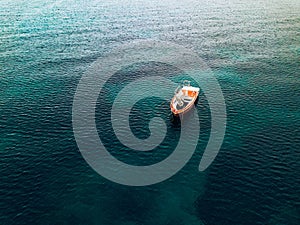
x=190, y=88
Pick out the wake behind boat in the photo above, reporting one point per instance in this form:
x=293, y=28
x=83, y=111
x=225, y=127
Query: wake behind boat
x=184, y=98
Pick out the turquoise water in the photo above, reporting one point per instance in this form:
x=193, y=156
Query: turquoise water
x=253, y=48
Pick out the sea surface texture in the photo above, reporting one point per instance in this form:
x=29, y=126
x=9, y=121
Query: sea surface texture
x=252, y=48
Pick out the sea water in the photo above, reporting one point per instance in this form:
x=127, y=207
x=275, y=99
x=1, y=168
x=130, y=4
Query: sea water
x=252, y=48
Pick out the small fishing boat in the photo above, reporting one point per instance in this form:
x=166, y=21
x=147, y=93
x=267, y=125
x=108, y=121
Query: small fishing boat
x=184, y=97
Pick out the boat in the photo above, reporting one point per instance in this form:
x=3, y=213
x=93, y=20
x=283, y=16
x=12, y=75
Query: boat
x=184, y=98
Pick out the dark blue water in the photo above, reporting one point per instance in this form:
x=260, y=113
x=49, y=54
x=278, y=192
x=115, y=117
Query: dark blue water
x=253, y=48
